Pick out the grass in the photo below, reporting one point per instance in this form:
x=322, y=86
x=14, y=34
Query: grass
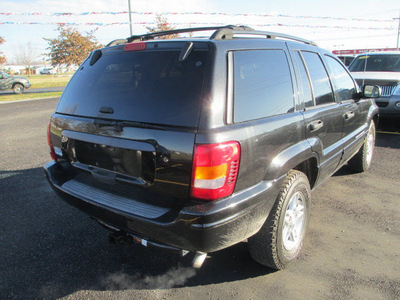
x=46, y=81
x=15, y=97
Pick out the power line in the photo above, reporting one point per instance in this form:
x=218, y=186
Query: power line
x=201, y=23
x=67, y=14
x=352, y=37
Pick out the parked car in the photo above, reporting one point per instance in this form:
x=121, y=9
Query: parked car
x=198, y=144
x=48, y=71
x=17, y=84
x=382, y=69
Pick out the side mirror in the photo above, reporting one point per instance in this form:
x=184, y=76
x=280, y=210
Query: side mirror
x=371, y=91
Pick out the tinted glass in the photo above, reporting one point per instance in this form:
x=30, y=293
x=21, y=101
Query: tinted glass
x=262, y=84
x=376, y=63
x=319, y=77
x=305, y=87
x=343, y=84
x=145, y=86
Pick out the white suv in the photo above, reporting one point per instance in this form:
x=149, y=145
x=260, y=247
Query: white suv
x=382, y=69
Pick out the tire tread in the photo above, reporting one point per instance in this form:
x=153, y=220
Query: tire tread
x=263, y=245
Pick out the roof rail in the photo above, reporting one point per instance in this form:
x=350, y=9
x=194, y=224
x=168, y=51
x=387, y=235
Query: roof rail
x=221, y=33
x=150, y=36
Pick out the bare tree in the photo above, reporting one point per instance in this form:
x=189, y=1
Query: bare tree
x=162, y=25
x=26, y=56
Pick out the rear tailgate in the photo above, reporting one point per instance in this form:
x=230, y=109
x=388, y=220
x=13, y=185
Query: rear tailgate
x=125, y=126
x=146, y=165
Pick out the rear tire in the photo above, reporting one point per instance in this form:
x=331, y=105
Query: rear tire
x=280, y=239
x=18, y=88
x=361, y=162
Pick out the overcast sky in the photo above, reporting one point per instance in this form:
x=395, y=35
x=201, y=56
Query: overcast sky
x=376, y=24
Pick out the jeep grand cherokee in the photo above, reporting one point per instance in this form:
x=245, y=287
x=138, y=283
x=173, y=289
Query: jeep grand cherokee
x=196, y=144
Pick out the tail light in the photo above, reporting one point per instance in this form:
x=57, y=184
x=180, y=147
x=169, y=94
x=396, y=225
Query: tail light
x=52, y=152
x=215, y=170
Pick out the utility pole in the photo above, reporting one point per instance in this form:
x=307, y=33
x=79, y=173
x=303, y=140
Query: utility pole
x=398, y=33
x=130, y=17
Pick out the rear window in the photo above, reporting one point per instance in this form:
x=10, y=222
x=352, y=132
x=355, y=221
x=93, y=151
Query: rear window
x=143, y=86
x=376, y=63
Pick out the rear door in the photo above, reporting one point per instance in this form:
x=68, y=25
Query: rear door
x=354, y=112
x=322, y=114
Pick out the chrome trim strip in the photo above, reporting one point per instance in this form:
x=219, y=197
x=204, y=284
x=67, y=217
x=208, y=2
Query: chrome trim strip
x=230, y=98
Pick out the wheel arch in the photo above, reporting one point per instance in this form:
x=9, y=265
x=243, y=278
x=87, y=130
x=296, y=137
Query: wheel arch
x=299, y=157
x=373, y=114
x=15, y=83
x=310, y=168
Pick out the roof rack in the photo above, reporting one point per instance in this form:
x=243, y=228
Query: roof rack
x=228, y=32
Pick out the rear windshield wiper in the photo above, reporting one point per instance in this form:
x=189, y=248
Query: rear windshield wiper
x=141, y=125
x=119, y=125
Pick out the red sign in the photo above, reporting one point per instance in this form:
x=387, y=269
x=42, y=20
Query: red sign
x=359, y=51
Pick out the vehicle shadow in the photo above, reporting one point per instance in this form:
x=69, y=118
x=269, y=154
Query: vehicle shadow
x=389, y=125
x=388, y=140
x=388, y=133
x=384, y=140
x=50, y=250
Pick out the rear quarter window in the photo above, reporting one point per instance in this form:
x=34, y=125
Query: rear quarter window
x=262, y=84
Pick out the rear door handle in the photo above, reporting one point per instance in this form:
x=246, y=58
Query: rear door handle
x=348, y=115
x=315, y=125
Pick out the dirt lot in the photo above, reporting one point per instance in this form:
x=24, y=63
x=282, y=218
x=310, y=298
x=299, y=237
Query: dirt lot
x=50, y=250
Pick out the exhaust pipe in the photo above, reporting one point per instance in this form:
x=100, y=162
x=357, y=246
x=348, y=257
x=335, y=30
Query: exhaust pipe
x=121, y=238
x=118, y=238
x=199, y=259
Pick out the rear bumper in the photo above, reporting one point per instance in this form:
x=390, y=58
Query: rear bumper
x=198, y=226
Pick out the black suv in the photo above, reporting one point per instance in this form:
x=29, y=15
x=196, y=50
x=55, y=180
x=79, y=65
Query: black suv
x=196, y=144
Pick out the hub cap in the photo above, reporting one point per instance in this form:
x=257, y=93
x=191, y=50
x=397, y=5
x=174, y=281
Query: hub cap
x=293, y=223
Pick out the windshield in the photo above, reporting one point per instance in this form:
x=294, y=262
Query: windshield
x=376, y=63
x=3, y=75
x=143, y=86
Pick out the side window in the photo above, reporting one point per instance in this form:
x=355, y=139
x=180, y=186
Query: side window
x=343, y=84
x=320, y=80
x=262, y=84
x=304, y=81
